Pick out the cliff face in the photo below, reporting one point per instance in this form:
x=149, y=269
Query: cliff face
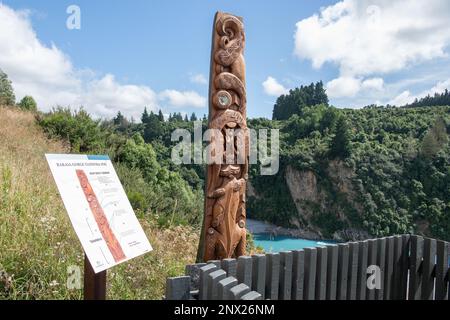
x=324, y=203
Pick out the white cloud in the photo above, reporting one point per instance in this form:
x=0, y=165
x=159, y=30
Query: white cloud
x=368, y=36
x=343, y=87
x=406, y=97
x=183, y=98
x=373, y=84
x=402, y=99
x=198, y=78
x=373, y=37
x=440, y=87
x=49, y=76
x=106, y=96
x=273, y=88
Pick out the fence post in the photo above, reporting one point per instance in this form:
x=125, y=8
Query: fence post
x=178, y=288
x=259, y=274
x=442, y=270
x=415, y=278
x=298, y=274
x=429, y=261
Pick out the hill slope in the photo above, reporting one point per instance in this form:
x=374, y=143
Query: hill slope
x=346, y=173
x=37, y=243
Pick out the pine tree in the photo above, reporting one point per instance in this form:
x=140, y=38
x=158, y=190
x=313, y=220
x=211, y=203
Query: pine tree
x=340, y=144
x=7, y=96
x=118, y=120
x=299, y=98
x=160, y=116
x=193, y=117
x=145, y=116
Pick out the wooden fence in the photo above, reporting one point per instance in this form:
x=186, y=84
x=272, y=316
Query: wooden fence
x=398, y=267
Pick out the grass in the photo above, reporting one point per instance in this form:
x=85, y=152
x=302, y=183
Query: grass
x=37, y=242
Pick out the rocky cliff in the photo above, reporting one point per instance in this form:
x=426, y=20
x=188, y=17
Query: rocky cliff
x=326, y=203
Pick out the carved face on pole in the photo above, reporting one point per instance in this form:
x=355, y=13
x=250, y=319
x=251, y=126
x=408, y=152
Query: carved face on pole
x=224, y=222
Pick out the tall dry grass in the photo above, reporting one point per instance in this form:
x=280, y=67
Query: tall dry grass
x=37, y=243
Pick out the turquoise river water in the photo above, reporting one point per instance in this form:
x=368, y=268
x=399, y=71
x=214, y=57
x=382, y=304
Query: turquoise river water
x=285, y=243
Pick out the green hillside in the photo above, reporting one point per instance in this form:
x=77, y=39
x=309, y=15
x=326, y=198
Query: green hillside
x=38, y=244
x=377, y=169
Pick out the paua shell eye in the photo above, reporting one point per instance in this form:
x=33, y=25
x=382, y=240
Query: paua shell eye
x=222, y=99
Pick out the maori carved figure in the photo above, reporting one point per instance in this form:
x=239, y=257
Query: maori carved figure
x=224, y=233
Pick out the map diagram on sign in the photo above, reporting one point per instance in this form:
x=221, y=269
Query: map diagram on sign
x=98, y=208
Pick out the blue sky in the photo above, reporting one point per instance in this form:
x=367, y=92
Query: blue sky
x=131, y=54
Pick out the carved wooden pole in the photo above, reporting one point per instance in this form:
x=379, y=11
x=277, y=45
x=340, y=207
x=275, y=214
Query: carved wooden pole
x=223, y=232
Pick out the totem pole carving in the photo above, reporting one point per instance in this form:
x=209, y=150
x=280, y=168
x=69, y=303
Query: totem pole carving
x=224, y=232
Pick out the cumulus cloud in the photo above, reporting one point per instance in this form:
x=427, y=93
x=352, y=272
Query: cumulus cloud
x=343, y=87
x=106, y=96
x=273, y=88
x=183, y=98
x=198, y=78
x=373, y=84
x=403, y=98
x=373, y=37
x=407, y=97
x=47, y=74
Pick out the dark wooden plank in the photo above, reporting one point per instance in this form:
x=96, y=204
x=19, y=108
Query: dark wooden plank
x=213, y=280
x=238, y=291
x=230, y=267
x=285, y=275
x=178, y=288
x=352, y=270
x=203, y=285
x=442, y=270
x=342, y=278
x=216, y=262
x=381, y=261
x=415, y=279
x=389, y=268
x=224, y=286
x=259, y=274
x=252, y=295
x=272, y=275
x=429, y=262
x=372, y=261
x=193, y=271
x=332, y=268
x=244, y=270
x=361, y=285
x=396, y=286
x=321, y=273
x=406, y=244
x=310, y=273
x=298, y=274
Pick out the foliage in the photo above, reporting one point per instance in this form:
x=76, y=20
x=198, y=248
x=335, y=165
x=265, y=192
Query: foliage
x=152, y=185
x=298, y=98
x=28, y=103
x=340, y=144
x=400, y=159
x=438, y=99
x=37, y=242
x=7, y=97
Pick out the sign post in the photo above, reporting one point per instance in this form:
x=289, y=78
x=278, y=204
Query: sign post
x=94, y=283
x=101, y=216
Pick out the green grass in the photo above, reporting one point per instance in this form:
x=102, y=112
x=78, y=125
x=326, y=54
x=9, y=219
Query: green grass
x=38, y=244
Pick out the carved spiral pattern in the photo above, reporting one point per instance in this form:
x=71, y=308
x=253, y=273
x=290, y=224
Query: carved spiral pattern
x=224, y=223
